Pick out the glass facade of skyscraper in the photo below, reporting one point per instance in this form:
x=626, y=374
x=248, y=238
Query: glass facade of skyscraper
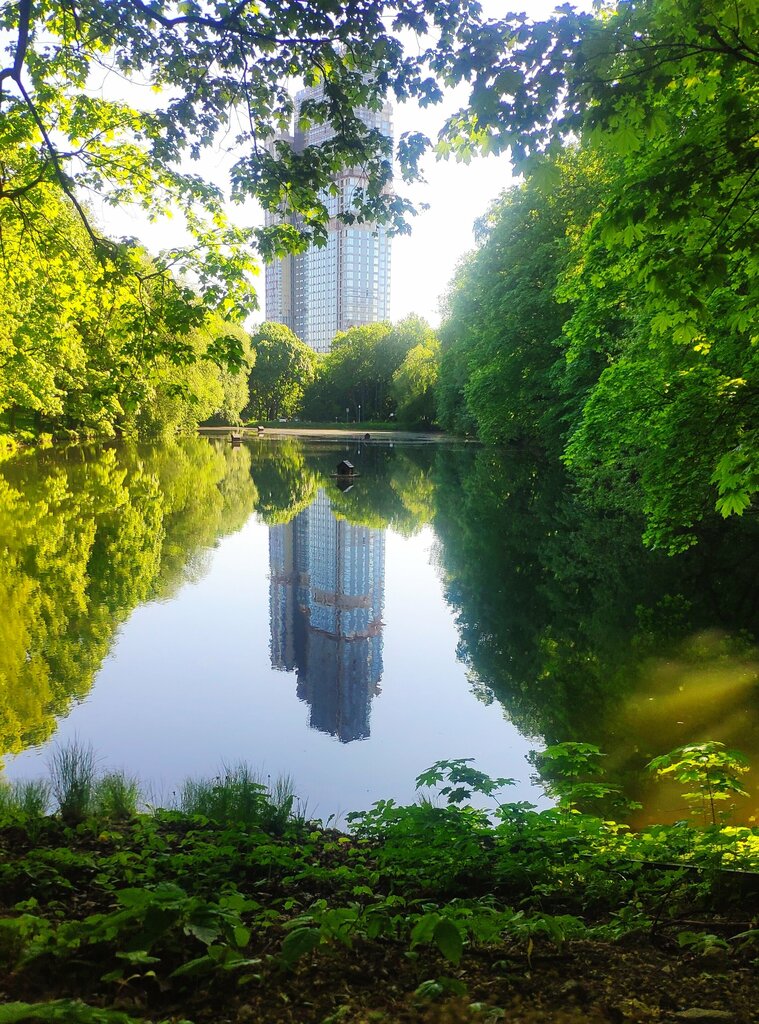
x=345, y=283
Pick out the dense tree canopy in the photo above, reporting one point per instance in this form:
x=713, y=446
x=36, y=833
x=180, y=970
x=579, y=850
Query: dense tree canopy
x=284, y=368
x=413, y=387
x=356, y=378
x=223, y=74
x=93, y=349
x=502, y=338
x=610, y=312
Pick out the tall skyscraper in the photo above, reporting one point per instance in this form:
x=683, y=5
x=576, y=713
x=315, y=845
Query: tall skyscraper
x=347, y=282
x=326, y=594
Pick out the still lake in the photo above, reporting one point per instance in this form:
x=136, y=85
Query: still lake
x=188, y=605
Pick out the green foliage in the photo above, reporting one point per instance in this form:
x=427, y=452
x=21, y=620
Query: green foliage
x=414, y=383
x=30, y=798
x=737, y=479
x=196, y=909
x=284, y=368
x=713, y=771
x=576, y=629
x=67, y=1011
x=85, y=540
x=609, y=313
x=72, y=777
x=116, y=796
x=237, y=795
x=502, y=362
x=285, y=483
x=443, y=932
x=461, y=780
x=357, y=378
x=101, y=346
x=223, y=75
x=569, y=772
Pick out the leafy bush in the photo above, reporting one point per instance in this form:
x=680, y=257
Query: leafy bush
x=710, y=772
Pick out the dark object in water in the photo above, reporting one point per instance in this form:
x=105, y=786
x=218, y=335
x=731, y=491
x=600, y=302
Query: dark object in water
x=346, y=468
x=366, y=437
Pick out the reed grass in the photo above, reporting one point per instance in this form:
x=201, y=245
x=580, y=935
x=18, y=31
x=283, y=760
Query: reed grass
x=116, y=796
x=30, y=797
x=73, y=770
x=239, y=796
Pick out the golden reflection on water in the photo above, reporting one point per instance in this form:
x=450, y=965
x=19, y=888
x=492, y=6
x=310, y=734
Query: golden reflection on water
x=706, y=689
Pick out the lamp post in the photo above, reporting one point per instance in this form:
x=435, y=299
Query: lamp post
x=359, y=414
x=346, y=414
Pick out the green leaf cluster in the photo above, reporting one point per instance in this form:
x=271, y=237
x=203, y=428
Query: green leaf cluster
x=105, y=343
x=609, y=313
x=375, y=371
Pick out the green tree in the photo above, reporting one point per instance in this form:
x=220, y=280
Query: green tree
x=220, y=70
x=413, y=387
x=655, y=392
x=357, y=374
x=284, y=368
x=503, y=361
x=99, y=351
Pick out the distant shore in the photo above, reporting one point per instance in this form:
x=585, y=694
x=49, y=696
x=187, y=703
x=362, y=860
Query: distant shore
x=352, y=433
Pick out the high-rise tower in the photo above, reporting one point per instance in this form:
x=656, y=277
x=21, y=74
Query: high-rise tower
x=326, y=595
x=347, y=282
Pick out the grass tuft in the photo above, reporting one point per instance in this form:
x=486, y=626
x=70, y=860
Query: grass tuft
x=30, y=797
x=116, y=796
x=239, y=796
x=72, y=776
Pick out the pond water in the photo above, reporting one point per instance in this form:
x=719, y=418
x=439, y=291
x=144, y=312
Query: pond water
x=190, y=605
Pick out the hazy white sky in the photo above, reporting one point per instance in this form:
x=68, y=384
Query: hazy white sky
x=423, y=262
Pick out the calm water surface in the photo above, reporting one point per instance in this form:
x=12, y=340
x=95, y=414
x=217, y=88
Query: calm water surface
x=190, y=605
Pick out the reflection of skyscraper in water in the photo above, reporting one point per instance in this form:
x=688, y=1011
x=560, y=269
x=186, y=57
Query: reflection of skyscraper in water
x=326, y=595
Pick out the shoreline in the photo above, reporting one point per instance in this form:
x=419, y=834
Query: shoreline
x=332, y=434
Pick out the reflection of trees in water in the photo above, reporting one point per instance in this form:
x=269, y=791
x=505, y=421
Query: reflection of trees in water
x=394, y=488
x=285, y=480
x=88, y=534
x=571, y=623
x=563, y=617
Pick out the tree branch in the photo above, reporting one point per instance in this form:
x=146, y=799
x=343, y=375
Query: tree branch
x=20, y=190
x=22, y=43
x=730, y=207
x=219, y=24
x=61, y=176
